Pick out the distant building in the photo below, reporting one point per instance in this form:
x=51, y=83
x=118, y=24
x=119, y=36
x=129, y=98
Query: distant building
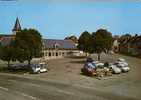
x=115, y=46
x=54, y=48
x=6, y=39
x=73, y=38
x=131, y=46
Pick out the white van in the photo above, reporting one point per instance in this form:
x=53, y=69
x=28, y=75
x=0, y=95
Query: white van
x=38, y=68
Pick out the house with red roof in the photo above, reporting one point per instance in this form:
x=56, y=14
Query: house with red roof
x=131, y=46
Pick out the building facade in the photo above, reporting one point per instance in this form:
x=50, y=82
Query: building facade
x=54, y=48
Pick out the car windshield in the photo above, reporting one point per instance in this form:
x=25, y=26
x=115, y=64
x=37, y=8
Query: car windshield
x=34, y=66
x=42, y=65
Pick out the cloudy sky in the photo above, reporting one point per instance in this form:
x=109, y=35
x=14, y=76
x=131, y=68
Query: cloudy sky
x=60, y=18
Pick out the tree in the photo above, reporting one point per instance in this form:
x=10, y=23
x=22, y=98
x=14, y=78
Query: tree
x=126, y=36
x=85, y=42
x=102, y=41
x=73, y=38
x=20, y=55
x=28, y=43
x=7, y=54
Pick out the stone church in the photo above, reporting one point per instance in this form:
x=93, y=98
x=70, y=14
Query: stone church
x=5, y=39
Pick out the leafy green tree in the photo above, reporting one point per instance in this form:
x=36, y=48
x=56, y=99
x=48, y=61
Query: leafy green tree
x=20, y=55
x=85, y=42
x=124, y=37
x=29, y=44
x=7, y=54
x=102, y=41
x=73, y=38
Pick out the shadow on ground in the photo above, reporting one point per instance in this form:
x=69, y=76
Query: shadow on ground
x=77, y=57
x=6, y=70
x=78, y=62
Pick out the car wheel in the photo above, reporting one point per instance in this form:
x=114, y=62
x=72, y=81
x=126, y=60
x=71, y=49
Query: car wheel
x=113, y=72
x=38, y=72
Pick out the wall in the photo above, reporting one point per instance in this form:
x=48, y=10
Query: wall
x=55, y=54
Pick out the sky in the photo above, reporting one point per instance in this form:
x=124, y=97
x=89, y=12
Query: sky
x=56, y=19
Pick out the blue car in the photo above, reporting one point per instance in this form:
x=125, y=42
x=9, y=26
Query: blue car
x=89, y=68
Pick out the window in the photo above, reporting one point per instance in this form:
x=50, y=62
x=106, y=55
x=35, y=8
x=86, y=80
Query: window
x=49, y=54
x=63, y=53
x=56, y=53
x=56, y=45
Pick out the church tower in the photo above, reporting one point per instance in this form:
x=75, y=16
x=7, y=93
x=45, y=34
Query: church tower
x=17, y=26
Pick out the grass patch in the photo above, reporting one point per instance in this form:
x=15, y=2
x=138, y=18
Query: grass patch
x=77, y=57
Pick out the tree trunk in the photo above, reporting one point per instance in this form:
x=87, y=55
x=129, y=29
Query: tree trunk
x=29, y=62
x=8, y=63
x=86, y=54
x=98, y=56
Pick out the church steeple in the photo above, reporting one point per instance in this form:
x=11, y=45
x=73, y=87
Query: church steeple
x=17, y=26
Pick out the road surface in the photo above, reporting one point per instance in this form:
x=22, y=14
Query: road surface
x=17, y=88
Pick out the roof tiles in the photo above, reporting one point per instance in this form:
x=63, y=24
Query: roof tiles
x=61, y=44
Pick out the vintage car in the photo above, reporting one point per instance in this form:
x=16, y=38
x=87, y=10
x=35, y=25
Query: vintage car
x=38, y=68
x=115, y=69
x=123, y=65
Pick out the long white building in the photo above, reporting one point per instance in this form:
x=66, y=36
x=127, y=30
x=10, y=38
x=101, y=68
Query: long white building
x=54, y=48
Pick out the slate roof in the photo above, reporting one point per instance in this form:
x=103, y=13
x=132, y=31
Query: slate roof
x=61, y=44
x=5, y=41
x=135, y=39
x=5, y=35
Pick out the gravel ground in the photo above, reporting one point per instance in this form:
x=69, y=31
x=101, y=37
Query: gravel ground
x=68, y=70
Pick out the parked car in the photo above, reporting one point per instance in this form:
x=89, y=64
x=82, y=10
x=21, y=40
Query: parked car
x=98, y=64
x=18, y=66
x=38, y=68
x=89, y=68
x=123, y=65
x=124, y=68
x=115, y=69
x=121, y=60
